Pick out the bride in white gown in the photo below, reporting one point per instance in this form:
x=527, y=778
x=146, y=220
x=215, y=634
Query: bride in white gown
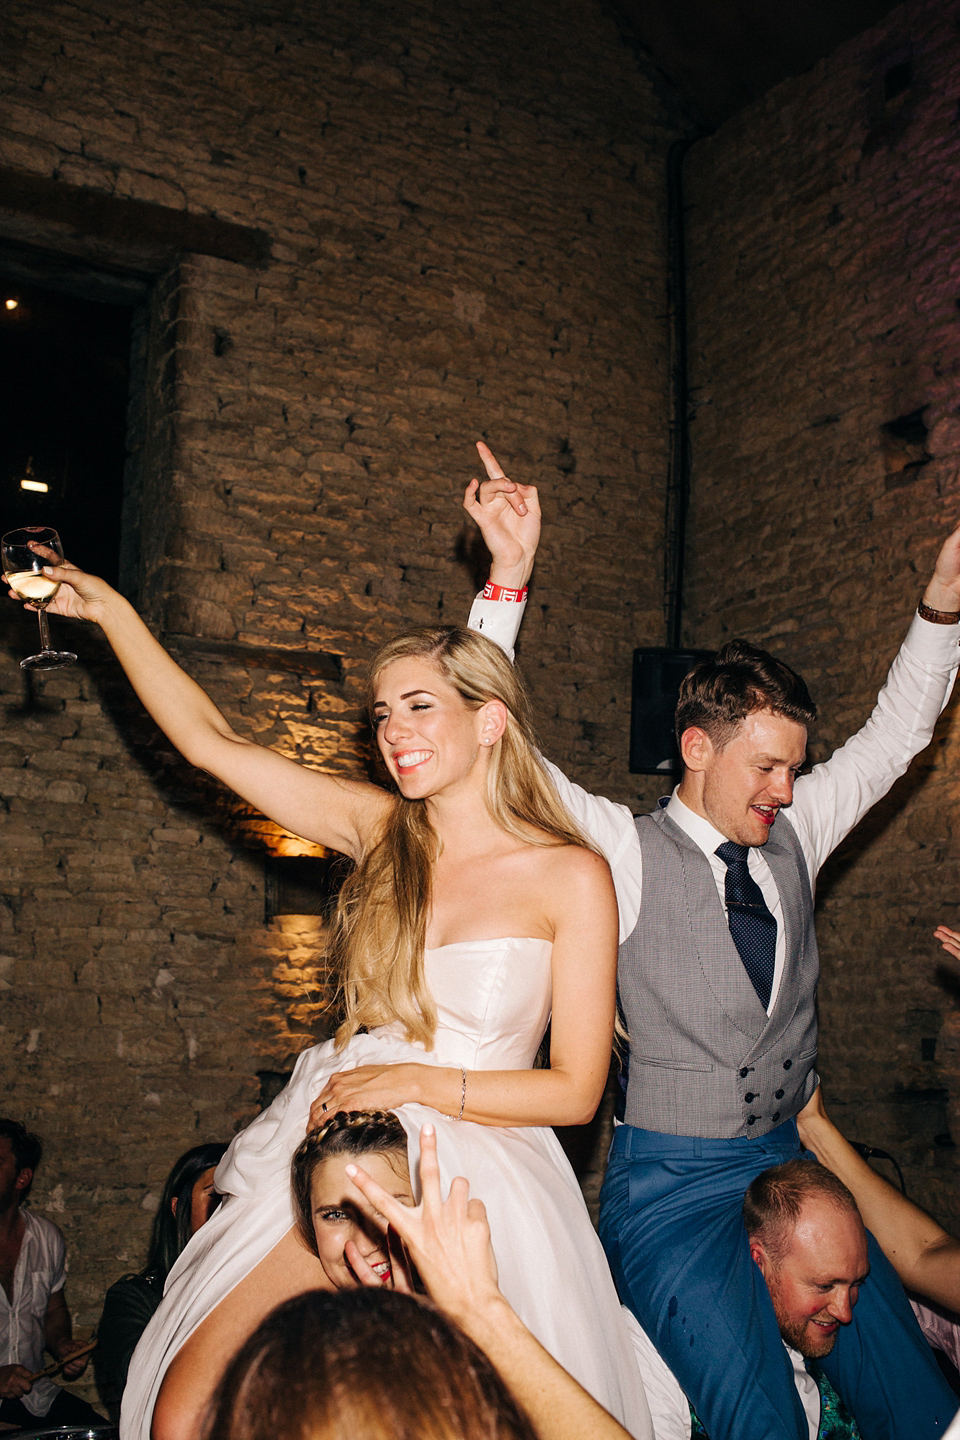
x=476, y=914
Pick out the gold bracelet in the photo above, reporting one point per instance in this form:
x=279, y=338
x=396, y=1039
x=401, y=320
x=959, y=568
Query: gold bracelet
x=463, y=1092
x=938, y=617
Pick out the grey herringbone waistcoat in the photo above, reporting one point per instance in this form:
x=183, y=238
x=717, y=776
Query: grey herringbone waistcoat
x=705, y=1059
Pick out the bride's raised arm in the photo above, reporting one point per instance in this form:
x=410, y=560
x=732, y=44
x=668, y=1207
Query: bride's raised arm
x=580, y=904
x=336, y=812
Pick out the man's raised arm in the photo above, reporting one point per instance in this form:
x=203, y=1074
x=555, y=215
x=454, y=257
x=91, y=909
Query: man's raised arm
x=836, y=794
x=509, y=519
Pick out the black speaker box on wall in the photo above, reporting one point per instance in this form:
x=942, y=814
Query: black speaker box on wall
x=657, y=676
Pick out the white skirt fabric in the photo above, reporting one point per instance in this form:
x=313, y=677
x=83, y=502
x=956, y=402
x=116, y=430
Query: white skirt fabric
x=493, y=1000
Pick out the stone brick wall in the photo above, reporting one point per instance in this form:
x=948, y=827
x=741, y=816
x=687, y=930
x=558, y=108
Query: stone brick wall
x=466, y=240
x=464, y=209
x=825, y=347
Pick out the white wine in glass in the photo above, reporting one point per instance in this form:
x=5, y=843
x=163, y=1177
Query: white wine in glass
x=25, y=552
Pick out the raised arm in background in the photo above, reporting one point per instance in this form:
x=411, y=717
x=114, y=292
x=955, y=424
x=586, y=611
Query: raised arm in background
x=512, y=540
x=925, y=1257
x=449, y=1243
x=508, y=516
x=949, y=939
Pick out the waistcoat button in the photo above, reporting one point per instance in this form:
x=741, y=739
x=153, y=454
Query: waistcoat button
x=787, y=1064
x=751, y=1119
x=778, y=1094
x=776, y=1115
x=744, y=1073
x=749, y=1096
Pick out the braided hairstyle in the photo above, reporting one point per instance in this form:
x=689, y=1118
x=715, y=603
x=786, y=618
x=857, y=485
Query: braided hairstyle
x=348, y=1132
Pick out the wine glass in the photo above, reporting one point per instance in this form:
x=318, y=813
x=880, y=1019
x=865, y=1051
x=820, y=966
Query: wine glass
x=23, y=567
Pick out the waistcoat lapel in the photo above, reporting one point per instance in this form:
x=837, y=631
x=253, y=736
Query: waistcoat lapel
x=727, y=981
x=783, y=868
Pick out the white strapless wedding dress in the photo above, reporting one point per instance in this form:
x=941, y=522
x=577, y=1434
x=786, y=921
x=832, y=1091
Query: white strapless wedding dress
x=493, y=1004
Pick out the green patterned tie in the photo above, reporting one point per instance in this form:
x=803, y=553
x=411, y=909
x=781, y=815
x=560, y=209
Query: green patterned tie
x=836, y=1422
x=697, y=1431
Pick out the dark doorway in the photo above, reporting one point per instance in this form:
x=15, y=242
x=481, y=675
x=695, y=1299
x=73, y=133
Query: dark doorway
x=64, y=365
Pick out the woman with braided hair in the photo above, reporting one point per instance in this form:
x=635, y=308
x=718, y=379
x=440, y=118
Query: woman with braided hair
x=345, y=1233
x=375, y=1365
x=477, y=914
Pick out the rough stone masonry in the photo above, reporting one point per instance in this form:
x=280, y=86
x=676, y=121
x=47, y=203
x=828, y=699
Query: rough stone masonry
x=464, y=210
x=825, y=351
x=465, y=217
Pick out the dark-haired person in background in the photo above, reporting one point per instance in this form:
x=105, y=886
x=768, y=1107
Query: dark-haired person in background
x=33, y=1311
x=717, y=977
x=187, y=1202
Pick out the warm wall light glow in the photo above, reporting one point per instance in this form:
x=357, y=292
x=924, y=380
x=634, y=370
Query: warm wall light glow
x=12, y=304
x=282, y=843
x=292, y=845
x=40, y=486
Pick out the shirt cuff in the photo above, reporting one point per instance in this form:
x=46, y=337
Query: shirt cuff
x=933, y=644
x=498, y=620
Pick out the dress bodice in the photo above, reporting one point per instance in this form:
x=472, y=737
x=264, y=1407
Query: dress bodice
x=493, y=1001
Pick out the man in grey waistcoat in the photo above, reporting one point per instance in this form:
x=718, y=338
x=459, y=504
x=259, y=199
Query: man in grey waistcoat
x=718, y=975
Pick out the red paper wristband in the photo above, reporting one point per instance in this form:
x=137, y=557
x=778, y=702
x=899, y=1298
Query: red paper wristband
x=500, y=592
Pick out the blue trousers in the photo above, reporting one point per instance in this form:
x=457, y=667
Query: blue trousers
x=671, y=1224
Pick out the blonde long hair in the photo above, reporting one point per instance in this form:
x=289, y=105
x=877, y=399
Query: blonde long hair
x=382, y=914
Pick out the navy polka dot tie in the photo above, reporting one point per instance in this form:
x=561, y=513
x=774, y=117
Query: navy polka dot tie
x=752, y=927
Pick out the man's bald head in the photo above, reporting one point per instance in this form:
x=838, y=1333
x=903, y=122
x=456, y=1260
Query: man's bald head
x=808, y=1241
x=775, y=1199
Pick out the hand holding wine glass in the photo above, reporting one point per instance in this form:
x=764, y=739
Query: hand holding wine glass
x=25, y=554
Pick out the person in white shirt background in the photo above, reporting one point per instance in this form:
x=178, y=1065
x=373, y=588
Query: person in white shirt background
x=33, y=1311
x=670, y=1210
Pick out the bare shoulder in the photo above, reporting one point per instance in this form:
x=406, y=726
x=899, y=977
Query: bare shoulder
x=371, y=803
x=346, y=814
x=573, y=872
x=374, y=806
x=579, y=905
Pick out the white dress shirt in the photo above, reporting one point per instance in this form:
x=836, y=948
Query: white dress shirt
x=40, y=1272
x=827, y=803
x=499, y=620
x=669, y=1407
